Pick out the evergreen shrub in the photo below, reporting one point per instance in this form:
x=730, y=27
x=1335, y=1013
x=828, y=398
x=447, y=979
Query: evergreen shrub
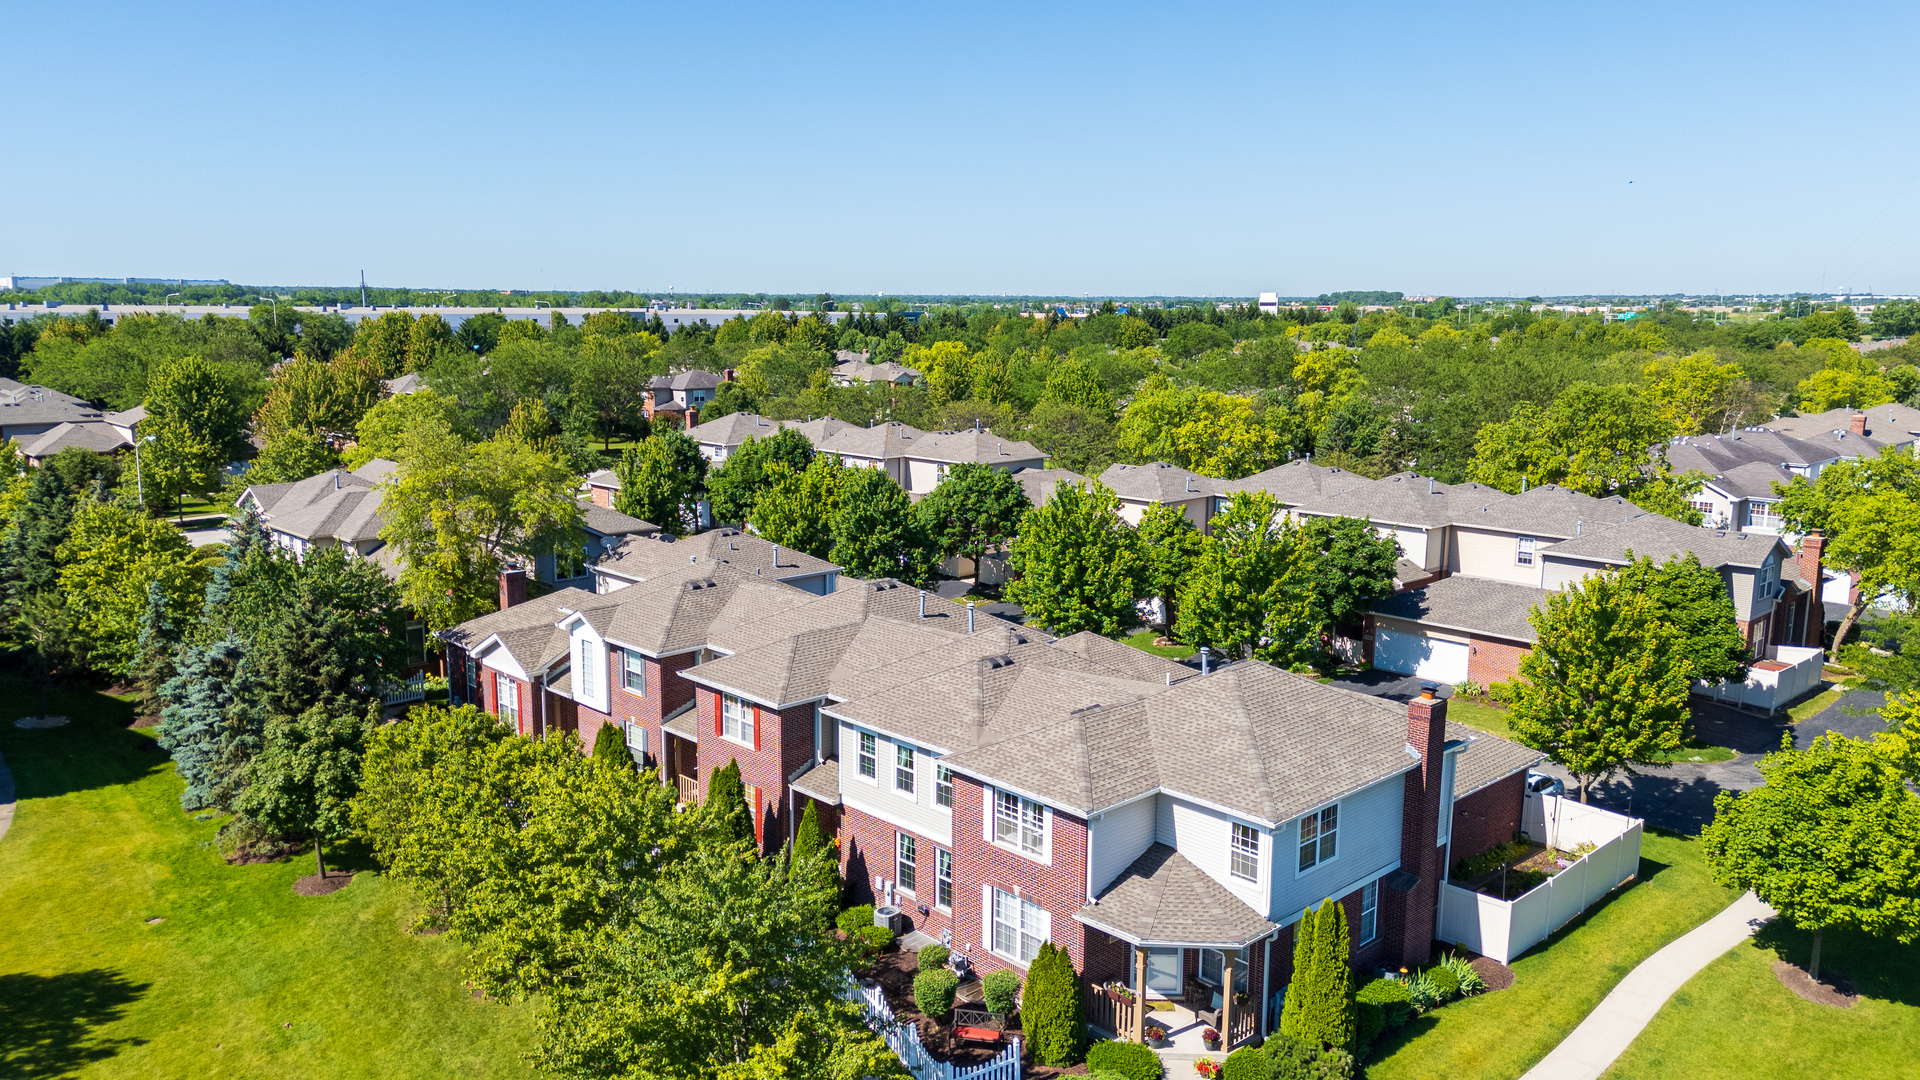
x=1050, y=1012
x=1246, y=1063
x=1000, y=991
x=1130, y=1060
x=933, y=991
x=932, y=956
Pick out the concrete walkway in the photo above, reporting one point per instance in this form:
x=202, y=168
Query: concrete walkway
x=6, y=798
x=1608, y=1030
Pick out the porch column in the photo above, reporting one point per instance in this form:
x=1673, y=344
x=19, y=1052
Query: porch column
x=1227, y=958
x=1140, y=994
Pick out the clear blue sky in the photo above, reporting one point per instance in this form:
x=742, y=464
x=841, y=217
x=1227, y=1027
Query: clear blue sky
x=1104, y=149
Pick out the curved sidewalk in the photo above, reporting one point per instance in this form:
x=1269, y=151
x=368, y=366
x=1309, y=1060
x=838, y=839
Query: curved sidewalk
x=1608, y=1030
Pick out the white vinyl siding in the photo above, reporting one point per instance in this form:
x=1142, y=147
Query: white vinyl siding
x=1118, y=837
x=1016, y=927
x=1491, y=555
x=1204, y=836
x=1369, y=848
x=869, y=784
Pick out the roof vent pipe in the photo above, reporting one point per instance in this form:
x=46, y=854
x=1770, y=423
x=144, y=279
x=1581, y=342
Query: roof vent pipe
x=776, y=556
x=969, y=616
x=1523, y=485
x=923, y=603
x=1579, y=527
x=1206, y=660
x=1429, y=485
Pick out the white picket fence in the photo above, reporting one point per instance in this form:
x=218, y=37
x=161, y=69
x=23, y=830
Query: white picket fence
x=904, y=1039
x=399, y=693
x=1503, y=929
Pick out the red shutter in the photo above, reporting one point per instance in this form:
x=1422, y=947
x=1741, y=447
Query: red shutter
x=719, y=715
x=756, y=727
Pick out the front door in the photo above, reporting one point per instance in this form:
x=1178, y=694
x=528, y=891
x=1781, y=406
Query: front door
x=1163, y=972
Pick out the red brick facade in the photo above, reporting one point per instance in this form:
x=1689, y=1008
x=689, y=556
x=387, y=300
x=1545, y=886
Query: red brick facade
x=1488, y=818
x=1492, y=660
x=1413, y=912
x=782, y=746
x=869, y=849
x=1059, y=886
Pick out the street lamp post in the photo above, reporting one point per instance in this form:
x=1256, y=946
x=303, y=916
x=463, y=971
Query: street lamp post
x=139, y=482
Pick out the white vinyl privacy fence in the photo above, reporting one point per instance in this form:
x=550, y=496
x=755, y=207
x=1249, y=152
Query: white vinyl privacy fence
x=1773, y=683
x=1503, y=929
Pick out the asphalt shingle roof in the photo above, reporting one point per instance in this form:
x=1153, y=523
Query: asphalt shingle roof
x=1158, y=482
x=1040, y=484
x=1163, y=899
x=599, y=519
x=1487, y=759
x=101, y=438
x=641, y=557
x=1660, y=538
x=969, y=445
x=821, y=782
x=733, y=429
x=1496, y=608
x=1547, y=510
x=1297, y=482
x=879, y=442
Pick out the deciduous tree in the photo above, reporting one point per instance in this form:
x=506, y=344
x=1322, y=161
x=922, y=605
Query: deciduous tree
x=796, y=509
x=1831, y=840
x=876, y=533
x=1076, y=566
x=662, y=480
x=1169, y=548
x=973, y=511
x=307, y=773
x=1211, y=433
x=1869, y=509
x=106, y=563
x=1694, y=600
x=735, y=486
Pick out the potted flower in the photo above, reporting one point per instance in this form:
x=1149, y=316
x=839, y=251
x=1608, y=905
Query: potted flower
x=1155, y=1035
x=1207, y=1067
x=1211, y=1037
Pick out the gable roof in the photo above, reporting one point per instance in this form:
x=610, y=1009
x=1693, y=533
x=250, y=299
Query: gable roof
x=96, y=436
x=817, y=430
x=1297, y=482
x=641, y=557
x=602, y=521
x=1161, y=898
x=733, y=429
x=861, y=371
x=973, y=445
x=879, y=442
x=1476, y=605
x=1548, y=510
x=1158, y=482
x=530, y=631
x=1400, y=499
x=1887, y=425
x=1661, y=538
x=23, y=403
x=693, y=379
x=1040, y=484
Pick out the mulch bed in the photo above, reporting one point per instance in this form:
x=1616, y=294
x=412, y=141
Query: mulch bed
x=894, y=971
x=1498, y=976
x=315, y=885
x=1835, y=990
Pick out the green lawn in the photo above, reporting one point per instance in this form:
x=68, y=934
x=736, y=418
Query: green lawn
x=1734, y=1020
x=1501, y=1035
x=1143, y=640
x=240, y=977
x=1492, y=718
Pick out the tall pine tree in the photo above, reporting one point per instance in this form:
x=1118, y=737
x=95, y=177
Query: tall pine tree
x=159, y=643
x=194, y=716
x=726, y=805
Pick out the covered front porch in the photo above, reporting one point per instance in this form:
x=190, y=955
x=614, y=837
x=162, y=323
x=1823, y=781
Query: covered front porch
x=1198, y=957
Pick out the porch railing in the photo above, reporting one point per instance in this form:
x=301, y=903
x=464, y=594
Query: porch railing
x=1243, y=1026
x=1109, y=1012
x=688, y=787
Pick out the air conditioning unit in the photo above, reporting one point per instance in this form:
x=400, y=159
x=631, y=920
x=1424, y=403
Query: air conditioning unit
x=890, y=917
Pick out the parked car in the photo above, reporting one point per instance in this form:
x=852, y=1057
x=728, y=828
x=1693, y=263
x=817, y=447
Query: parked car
x=1539, y=783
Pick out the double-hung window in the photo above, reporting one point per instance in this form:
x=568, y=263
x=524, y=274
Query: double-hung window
x=1319, y=836
x=1019, y=927
x=903, y=768
x=1246, y=852
x=942, y=878
x=1763, y=515
x=1369, y=911
x=943, y=786
x=584, y=675
x=1020, y=824
x=506, y=699
x=736, y=719
x=869, y=763
x=635, y=671
x=907, y=862
x=1523, y=551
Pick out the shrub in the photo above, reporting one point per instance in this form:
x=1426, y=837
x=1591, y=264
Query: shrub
x=933, y=991
x=1369, y=1020
x=1422, y=992
x=1291, y=1059
x=1246, y=1063
x=1050, y=1013
x=1131, y=1060
x=1445, y=982
x=999, y=990
x=1319, y=1002
x=852, y=919
x=872, y=940
x=1396, y=1005
x=610, y=749
x=1488, y=860
x=1470, y=981
x=932, y=956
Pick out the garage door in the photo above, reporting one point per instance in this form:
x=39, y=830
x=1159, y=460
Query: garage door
x=1416, y=654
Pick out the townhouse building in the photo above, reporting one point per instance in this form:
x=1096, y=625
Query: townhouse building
x=678, y=398
x=1141, y=486
x=1003, y=788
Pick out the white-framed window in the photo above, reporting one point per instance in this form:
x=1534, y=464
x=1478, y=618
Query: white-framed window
x=906, y=860
x=1020, y=824
x=943, y=786
x=1319, y=837
x=1705, y=506
x=869, y=763
x=1369, y=912
x=1019, y=927
x=903, y=768
x=736, y=719
x=583, y=672
x=1213, y=965
x=1246, y=852
x=1763, y=515
x=1523, y=551
x=942, y=878
x=634, y=668
x=506, y=698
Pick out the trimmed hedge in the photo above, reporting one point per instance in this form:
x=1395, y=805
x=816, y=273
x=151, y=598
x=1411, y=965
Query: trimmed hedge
x=1000, y=991
x=1246, y=1063
x=1369, y=1021
x=933, y=991
x=1391, y=995
x=932, y=956
x=1130, y=1060
x=854, y=918
x=1290, y=1059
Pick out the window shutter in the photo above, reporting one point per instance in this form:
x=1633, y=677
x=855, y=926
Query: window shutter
x=719, y=713
x=756, y=727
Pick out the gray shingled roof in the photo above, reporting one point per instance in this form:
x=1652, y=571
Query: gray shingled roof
x=98, y=437
x=982, y=447
x=529, y=631
x=821, y=782
x=1163, y=899
x=733, y=429
x=1040, y=484
x=1297, y=482
x=1158, y=482
x=1887, y=425
x=1548, y=510
x=1495, y=608
x=1487, y=759
x=879, y=442
x=1261, y=742
x=695, y=379
x=335, y=504
x=819, y=430
x=1122, y=657
x=127, y=417
x=1753, y=480
x=599, y=519
x=32, y=404
x=641, y=557
x=1660, y=538
x=861, y=371
x=1401, y=499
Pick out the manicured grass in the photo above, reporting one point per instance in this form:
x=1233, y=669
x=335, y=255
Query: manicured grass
x=241, y=978
x=1501, y=1035
x=1143, y=640
x=1493, y=719
x=1734, y=1020
x=1815, y=703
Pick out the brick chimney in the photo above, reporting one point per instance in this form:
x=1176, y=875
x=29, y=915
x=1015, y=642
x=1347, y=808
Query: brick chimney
x=513, y=588
x=1857, y=423
x=1420, y=851
x=1807, y=555
x=693, y=417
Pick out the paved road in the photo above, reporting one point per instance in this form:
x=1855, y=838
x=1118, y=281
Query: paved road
x=1623, y=1014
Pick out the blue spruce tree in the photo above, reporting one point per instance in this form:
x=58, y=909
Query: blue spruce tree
x=194, y=721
